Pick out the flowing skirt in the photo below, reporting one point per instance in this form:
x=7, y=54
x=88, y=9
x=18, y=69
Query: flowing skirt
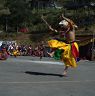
x=68, y=53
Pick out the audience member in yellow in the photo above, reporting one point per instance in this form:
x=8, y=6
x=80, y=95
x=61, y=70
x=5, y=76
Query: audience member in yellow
x=16, y=53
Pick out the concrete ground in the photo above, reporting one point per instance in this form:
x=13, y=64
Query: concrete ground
x=28, y=76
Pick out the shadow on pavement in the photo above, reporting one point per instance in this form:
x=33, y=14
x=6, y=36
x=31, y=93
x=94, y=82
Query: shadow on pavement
x=43, y=74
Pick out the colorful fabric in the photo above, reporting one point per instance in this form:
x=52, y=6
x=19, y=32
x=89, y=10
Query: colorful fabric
x=70, y=54
x=57, y=54
x=75, y=50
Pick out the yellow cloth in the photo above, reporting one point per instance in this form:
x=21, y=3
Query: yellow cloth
x=15, y=52
x=67, y=56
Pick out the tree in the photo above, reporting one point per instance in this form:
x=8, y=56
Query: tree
x=20, y=13
x=4, y=12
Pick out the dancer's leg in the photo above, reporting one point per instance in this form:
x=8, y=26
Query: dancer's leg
x=65, y=71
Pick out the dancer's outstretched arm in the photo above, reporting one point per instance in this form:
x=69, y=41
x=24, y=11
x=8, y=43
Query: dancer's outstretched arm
x=70, y=21
x=42, y=17
x=52, y=29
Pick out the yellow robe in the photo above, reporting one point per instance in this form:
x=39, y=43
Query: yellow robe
x=67, y=56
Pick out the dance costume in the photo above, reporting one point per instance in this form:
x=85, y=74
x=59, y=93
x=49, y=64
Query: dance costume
x=68, y=53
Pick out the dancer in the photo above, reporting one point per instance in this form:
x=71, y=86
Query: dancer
x=66, y=51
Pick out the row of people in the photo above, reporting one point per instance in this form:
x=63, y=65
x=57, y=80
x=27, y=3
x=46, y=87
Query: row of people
x=25, y=50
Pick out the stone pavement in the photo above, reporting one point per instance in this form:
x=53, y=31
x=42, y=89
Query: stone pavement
x=22, y=76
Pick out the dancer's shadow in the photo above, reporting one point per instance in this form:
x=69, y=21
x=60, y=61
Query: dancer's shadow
x=43, y=74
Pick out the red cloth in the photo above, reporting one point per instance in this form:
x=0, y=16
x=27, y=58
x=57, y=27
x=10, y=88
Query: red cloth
x=24, y=30
x=75, y=51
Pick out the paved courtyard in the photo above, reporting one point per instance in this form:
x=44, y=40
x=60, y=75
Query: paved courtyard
x=28, y=76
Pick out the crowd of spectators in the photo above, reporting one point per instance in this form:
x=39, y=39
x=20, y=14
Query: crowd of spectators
x=40, y=50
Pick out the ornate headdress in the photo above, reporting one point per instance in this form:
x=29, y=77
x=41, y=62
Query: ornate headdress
x=65, y=23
